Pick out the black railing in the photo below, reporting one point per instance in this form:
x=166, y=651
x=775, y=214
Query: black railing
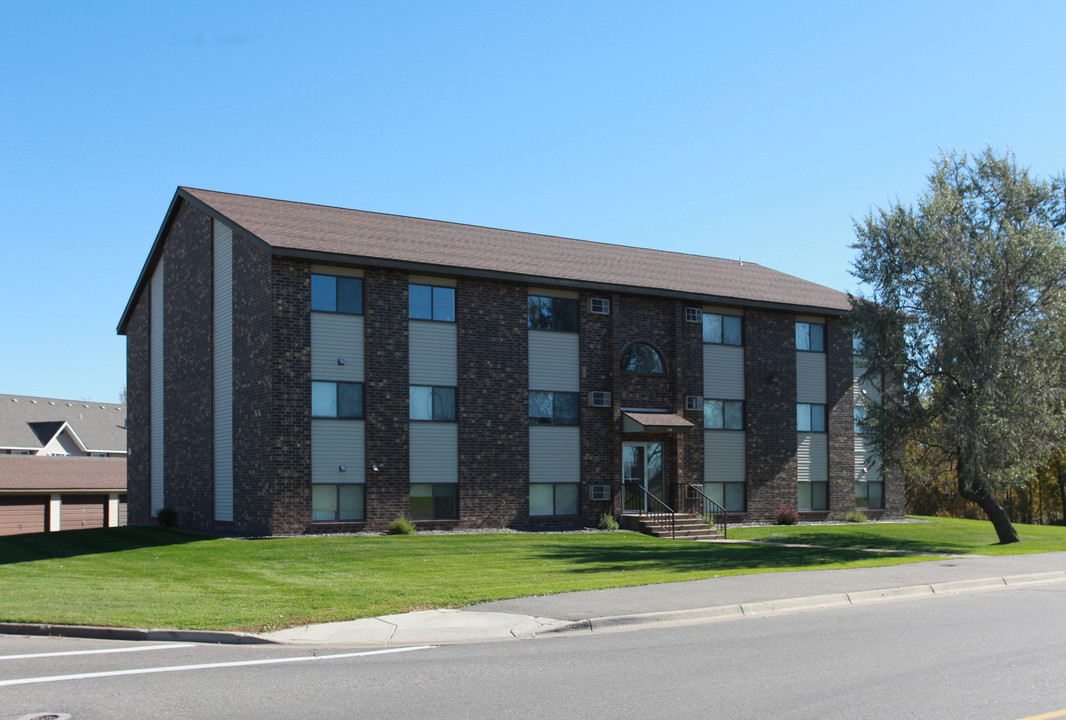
x=644, y=501
x=696, y=501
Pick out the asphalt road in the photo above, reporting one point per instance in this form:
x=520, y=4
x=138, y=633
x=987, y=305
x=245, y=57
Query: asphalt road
x=982, y=655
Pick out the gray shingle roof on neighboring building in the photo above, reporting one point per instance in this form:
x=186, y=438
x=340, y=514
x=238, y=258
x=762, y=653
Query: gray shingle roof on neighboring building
x=31, y=422
x=292, y=228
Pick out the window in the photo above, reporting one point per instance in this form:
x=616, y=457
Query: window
x=549, y=313
x=599, y=306
x=552, y=408
x=730, y=495
x=642, y=358
x=559, y=499
x=860, y=418
x=430, y=302
x=434, y=502
x=336, y=400
x=723, y=414
x=813, y=495
x=330, y=293
x=810, y=417
x=810, y=336
x=721, y=329
x=870, y=495
x=337, y=503
x=432, y=403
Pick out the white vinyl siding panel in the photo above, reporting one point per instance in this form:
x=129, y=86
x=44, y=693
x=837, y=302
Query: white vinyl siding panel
x=336, y=336
x=554, y=454
x=113, y=519
x=810, y=377
x=871, y=385
x=723, y=456
x=723, y=372
x=434, y=453
x=335, y=443
x=812, y=457
x=223, y=371
x=55, y=513
x=553, y=361
x=432, y=353
x=155, y=364
x=866, y=459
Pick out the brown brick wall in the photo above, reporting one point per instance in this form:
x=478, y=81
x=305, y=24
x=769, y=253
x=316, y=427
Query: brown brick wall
x=187, y=370
x=253, y=408
x=139, y=411
x=770, y=411
x=601, y=452
x=493, y=410
x=840, y=419
x=385, y=396
x=290, y=425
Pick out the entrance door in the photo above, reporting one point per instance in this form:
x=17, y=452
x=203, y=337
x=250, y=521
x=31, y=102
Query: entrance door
x=642, y=467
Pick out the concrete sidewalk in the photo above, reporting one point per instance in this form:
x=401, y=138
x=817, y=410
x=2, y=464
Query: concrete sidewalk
x=685, y=602
x=595, y=611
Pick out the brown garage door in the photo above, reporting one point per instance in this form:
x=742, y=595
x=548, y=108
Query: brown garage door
x=82, y=511
x=23, y=514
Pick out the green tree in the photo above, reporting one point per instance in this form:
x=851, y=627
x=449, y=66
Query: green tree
x=965, y=318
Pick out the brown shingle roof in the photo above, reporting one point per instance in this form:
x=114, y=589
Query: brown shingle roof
x=26, y=472
x=292, y=228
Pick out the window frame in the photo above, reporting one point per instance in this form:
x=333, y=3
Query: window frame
x=337, y=502
x=809, y=336
x=811, y=417
x=554, y=319
x=725, y=495
x=707, y=401
x=865, y=484
x=575, y=486
x=432, y=302
x=812, y=485
x=555, y=420
x=721, y=322
x=337, y=400
x=434, y=390
x=627, y=353
x=433, y=500
x=337, y=294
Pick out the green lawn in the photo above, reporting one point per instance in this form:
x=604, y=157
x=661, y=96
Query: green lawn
x=152, y=577
x=935, y=535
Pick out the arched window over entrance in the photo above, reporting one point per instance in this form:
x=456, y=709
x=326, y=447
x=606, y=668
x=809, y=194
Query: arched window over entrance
x=642, y=358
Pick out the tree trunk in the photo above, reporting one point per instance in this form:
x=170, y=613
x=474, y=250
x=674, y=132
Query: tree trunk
x=977, y=491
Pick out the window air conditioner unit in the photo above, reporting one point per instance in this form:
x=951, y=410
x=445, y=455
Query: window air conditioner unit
x=600, y=306
x=599, y=398
x=693, y=315
x=599, y=492
x=693, y=402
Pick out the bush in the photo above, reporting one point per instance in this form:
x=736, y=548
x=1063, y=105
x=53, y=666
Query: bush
x=786, y=515
x=166, y=516
x=856, y=516
x=401, y=526
x=607, y=522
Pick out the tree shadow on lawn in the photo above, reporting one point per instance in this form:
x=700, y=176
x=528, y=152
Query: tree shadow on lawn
x=678, y=558
x=72, y=543
x=870, y=540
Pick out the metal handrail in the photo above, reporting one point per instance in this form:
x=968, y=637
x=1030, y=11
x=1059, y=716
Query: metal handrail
x=666, y=510
x=717, y=514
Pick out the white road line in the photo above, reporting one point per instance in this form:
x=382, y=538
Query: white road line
x=207, y=666
x=96, y=652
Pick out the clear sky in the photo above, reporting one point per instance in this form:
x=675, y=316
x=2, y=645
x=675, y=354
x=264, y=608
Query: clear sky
x=740, y=130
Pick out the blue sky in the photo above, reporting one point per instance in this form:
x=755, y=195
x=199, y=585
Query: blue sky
x=739, y=130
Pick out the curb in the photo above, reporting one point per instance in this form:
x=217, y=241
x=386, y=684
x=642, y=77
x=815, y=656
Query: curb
x=813, y=602
x=220, y=637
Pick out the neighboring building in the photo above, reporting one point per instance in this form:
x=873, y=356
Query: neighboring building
x=70, y=472
x=298, y=368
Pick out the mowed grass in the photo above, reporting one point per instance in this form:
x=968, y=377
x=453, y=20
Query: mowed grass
x=153, y=577
x=933, y=535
